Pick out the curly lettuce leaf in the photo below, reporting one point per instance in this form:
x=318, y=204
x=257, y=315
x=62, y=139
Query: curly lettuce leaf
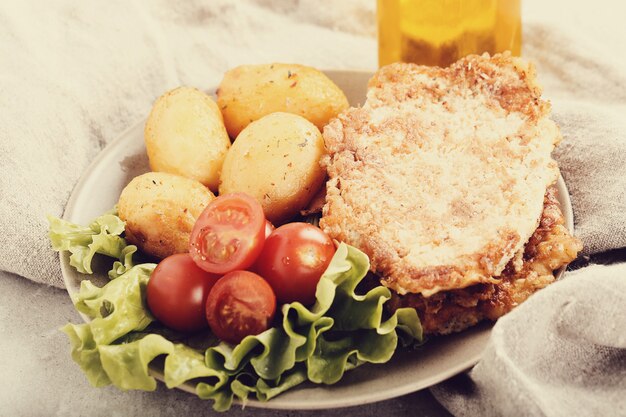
x=266, y=390
x=102, y=236
x=107, y=348
x=117, y=308
x=322, y=338
x=86, y=354
x=127, y=364
x=341, y=331
x=185, y=363
x=125, y=262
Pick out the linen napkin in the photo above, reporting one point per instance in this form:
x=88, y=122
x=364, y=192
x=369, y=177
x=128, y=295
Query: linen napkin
x=560, y=353
x=74, y=75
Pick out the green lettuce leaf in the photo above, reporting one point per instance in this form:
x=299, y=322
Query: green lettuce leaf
x=125, y=262
x=86, y=354
x=185, y=363
x=265, y=390
x=117, y=308
x=110, y=349
x=127, y=364
x=102, y=236
x=341, y=331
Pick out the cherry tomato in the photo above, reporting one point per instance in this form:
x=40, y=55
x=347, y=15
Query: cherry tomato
x=269, y=228
x=240, y=304
x=177, y=293
x=228, y=234
x=293, y=260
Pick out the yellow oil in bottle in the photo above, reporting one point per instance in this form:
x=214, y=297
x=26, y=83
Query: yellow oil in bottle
x=439, y=32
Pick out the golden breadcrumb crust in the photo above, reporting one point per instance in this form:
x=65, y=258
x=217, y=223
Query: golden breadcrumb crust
x=440, y=177
x=550, y=247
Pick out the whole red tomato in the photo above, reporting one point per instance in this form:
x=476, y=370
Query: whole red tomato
x=293, y=260
x=240, y=304
x=177, y=293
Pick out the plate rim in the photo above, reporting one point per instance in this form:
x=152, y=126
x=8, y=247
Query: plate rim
x=359, y=399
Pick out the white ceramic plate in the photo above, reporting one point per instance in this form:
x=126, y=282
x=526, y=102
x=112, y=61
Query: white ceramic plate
x=439, y=359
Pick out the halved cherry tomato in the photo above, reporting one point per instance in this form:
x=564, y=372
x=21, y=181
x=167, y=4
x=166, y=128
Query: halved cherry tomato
x=293, y=260
x=228, y=234
x=177, y=293
x=240, y=304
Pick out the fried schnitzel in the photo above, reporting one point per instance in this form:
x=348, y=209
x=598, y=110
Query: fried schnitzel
x=550, y=247
x=440, y=176
x=443, y=178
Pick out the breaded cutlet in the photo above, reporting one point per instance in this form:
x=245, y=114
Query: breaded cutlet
x=440, y=176
x=550, y=247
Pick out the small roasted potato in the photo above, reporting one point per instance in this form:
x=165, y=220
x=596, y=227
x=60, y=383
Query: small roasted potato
x=185, y=135
x=160, y=210
x=249, y=92
x=276, y=160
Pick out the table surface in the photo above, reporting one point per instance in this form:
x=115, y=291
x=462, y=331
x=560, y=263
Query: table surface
x=38, y=376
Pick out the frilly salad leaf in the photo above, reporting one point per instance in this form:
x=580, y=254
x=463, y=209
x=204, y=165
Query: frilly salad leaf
x=102, y=236
x=117, y=309
x=341, y=331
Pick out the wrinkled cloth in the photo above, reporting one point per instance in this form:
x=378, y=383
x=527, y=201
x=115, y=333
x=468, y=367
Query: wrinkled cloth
x=580, y=53
x=560, y=353
x=75, y=75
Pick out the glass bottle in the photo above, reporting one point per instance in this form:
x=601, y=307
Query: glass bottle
x=439, y=32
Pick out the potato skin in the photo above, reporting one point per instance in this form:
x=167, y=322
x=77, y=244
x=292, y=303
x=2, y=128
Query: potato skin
x=185, y=135
x=249, y=92
x=276, y=160
x=160, y=210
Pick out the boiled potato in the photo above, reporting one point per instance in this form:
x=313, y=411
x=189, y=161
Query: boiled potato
x=250, y=92
x=185, y=135
x=276, y=160
x=160, y=210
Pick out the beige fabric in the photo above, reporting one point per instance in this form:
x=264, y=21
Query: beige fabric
x=74, y=75
x=561, y=353
x=578, y=47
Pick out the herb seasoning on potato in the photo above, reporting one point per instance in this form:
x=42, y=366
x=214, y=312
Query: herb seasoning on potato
x=276, y=160
x=160, y=210
x=249, y=92
x=185, y=135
